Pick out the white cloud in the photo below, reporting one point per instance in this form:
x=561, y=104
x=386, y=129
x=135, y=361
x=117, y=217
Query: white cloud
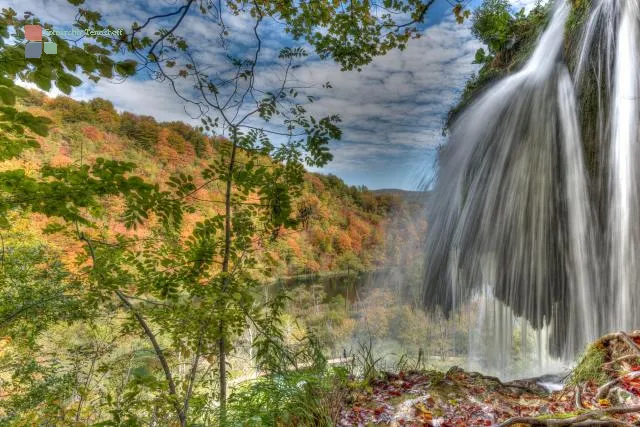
x=146, y=97
x=526, y=4
x=400, y=101
x=393, y=110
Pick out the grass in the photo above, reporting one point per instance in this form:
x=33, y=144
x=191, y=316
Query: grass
x=310, y=397
x=590, y=367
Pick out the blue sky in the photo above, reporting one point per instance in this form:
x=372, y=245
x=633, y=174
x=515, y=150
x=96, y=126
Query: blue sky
x=392, y=111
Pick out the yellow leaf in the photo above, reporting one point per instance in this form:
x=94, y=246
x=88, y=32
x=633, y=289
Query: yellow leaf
x=424, y=412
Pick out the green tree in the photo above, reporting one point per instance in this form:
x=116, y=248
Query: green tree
x=143, y=130
x=491, y=24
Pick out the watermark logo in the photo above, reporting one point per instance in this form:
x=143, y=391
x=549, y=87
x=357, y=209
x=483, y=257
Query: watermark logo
x=35, y=45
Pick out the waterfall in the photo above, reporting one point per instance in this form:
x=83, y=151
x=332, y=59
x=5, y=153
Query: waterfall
x=520, y=223
x=624, y=219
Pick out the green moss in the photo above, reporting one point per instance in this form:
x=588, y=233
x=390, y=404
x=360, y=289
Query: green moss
x=579, y=14
x=562, y=416
x=573, y=29
x=590, y=367
x=590, y=99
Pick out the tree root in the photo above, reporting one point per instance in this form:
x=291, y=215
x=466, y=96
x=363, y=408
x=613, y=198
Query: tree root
x=588, y=418
x=604, y=422
x=627, y=338
x=630, y=342
x=578, y=398
x=621, y=359
x=603, y=391
x=621, y=335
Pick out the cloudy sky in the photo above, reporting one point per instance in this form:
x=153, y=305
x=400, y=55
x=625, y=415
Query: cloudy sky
x=392, y=111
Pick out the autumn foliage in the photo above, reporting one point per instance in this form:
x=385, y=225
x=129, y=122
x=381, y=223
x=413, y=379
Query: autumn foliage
x=338, y=226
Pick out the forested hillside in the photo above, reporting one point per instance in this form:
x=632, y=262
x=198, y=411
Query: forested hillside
x=337, y=228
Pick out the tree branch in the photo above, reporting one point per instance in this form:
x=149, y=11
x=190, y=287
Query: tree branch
x=165, y=35
x=192, y=374
x=148, y=332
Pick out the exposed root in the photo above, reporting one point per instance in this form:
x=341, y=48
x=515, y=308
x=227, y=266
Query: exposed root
x=588, y=418
x=603, y=391
x=604, y=422
x=578, y=398
x=626, y=338
x=621, y=359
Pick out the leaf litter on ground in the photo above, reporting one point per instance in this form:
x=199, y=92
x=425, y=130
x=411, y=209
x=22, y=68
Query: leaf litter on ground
x=459, y=398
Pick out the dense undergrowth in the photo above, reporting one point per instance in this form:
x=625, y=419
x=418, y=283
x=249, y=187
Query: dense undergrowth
x=604, y=387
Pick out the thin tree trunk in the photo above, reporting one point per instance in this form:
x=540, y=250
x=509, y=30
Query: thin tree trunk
x=149, y=333
x=159, y=354
x=192, y=375
x=87, y=383
x=222, y=366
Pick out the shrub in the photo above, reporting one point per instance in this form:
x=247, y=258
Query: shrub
x=70, y=110
x=301, y=397
x=491, y=24
x=143, y=130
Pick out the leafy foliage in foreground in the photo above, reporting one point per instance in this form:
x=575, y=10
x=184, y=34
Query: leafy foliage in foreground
x=126, y=213
x=305, y=397
x=123, y=252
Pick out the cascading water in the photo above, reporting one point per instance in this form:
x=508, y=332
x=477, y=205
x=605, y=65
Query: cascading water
x=624, y=221
x=520, y=220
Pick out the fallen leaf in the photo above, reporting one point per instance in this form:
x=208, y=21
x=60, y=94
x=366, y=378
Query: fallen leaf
x=604, y=402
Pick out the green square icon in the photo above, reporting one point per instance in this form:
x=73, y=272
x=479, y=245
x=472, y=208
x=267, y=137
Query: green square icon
x=50, y=48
